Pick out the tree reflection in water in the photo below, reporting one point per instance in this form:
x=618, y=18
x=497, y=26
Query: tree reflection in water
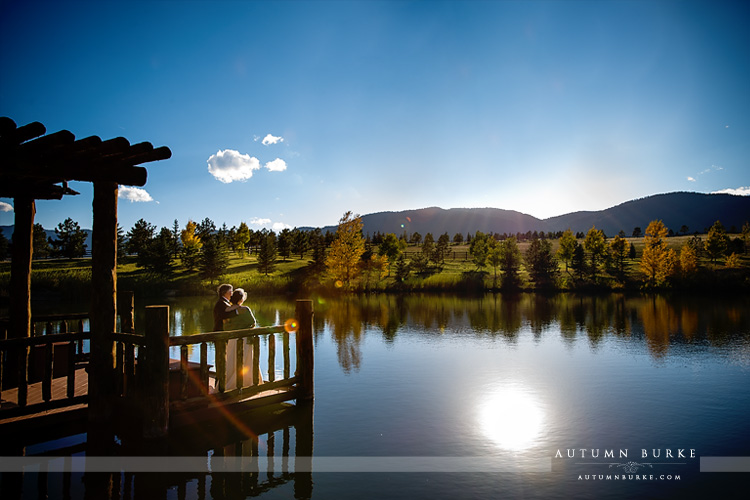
x=661, y=321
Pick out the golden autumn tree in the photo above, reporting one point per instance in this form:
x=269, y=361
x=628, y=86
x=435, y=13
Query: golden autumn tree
x=191, y=246
x=658, y=261
x=688, y=260
x=342, y=261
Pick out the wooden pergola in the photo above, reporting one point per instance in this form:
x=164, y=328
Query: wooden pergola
x=35, y=166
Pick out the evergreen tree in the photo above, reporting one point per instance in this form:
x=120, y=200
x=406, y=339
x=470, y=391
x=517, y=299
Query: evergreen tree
x=214, y=259
x=267, y=252
x=70, y=242
x=716, y=242
x=441, y=248
x=595, y=244
x=40, y=245
x=511, y=262
x=541, y=262
x=578, y=263
x=156, y=255
x=139, y=235
x=618, y=249
x=318, y=245
x=479, y=249
x=428, y=245
x=205, y=229
x=284, y=243
x=300, y=242
x=175, y=239
x=458, y=238
x=402, y=269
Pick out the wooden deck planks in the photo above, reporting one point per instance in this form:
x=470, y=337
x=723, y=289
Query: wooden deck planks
x=34, y=396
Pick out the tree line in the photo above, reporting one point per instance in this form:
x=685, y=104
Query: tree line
x=348, y=256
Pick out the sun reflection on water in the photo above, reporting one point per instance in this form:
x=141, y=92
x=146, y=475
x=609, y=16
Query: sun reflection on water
x=512, y=418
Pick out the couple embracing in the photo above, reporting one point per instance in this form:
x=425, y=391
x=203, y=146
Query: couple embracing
x=230, y=305
x=230, y=314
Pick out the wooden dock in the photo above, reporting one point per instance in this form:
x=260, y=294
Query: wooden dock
x=149, y=388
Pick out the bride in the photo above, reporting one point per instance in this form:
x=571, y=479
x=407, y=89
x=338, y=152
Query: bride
x=244, y=319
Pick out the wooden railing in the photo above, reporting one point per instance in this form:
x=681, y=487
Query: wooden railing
x=55, y=349
x=186, y=386
x=142, y=365
x=42, y=358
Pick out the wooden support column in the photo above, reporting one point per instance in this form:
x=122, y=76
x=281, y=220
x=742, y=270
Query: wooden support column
x=126, y=309
x=20, y=270
x=103, y=314
x=20, y=291
x=305, y=357
x=155, y=373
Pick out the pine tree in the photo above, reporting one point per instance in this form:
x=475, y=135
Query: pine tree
x=214, y=259
x=541, y=262
x=595, y=244
x=40, y=243
x=716, y=242
x=267, y=253
x=567, y=247
x=70, y=242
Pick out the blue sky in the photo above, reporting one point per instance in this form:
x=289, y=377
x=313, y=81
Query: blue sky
x=290, y=113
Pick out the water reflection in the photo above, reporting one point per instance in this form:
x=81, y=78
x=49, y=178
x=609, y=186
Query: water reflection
x=662, y=322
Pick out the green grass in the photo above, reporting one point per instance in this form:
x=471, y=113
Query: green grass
x=293, y=276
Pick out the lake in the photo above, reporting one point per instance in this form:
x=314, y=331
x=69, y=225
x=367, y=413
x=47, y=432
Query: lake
x=524, y=396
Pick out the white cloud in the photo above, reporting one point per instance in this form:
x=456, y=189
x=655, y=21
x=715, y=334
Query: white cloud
x=740, y=191
x=691, y=179
x=134, y=194
x=5, y=207
x=256, y=221
x=278, y=165
x=230, y=165
x=278, y=226
x=269, y=139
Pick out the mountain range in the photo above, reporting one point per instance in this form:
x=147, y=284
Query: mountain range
x=696, y=211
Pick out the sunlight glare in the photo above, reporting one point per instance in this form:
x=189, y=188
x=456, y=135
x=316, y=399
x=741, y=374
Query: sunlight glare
x=512, y=419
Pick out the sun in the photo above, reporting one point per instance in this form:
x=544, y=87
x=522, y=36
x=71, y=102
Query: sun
x=512, y=418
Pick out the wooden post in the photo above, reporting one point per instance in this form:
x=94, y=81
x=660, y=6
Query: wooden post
x=304, y=313
x=155, y=375
x=125, y=309
x=103, y=314
x=20, y=290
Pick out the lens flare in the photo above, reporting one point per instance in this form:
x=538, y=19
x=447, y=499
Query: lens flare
x=290, y=325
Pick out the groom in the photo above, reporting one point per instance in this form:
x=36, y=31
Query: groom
x=220, y=308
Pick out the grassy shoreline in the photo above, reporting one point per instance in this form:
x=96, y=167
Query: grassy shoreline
x=295, y=276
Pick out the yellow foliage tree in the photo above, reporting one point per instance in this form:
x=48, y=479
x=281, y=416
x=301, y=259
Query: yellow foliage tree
x=342, y=261
x=688, y=259
x=191, y=245
x=658, y=261
x=733, y=261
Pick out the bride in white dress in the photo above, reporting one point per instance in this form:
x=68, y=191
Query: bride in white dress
x=244, y=319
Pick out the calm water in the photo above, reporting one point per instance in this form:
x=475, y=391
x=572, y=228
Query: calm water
x=518, y=384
